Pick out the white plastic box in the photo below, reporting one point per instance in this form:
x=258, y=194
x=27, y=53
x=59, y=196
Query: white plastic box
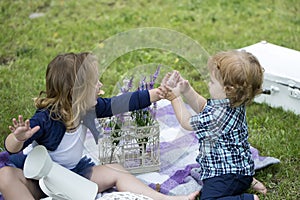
x=282, y=75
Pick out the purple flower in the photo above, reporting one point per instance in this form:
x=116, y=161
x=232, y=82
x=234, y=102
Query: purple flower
x=130, y=83
x=146, y=116
x=155, y=75
x=127, y=85
x=142, y=83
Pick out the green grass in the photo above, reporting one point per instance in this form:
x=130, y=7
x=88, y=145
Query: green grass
x=27, y=46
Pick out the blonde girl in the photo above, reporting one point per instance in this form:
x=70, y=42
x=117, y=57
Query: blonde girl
x=65, y=110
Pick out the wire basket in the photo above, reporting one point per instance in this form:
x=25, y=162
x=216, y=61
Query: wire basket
x=136, y=148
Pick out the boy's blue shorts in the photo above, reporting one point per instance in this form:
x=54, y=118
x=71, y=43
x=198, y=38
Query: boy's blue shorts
x=227, y=187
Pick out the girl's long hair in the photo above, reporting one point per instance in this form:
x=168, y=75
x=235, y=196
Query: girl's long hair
x=71, y=81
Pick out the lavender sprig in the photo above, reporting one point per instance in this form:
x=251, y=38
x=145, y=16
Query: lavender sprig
x=127, y=85
x=146, y=116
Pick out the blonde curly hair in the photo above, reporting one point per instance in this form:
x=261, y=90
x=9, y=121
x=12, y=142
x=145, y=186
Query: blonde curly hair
x=240, y=73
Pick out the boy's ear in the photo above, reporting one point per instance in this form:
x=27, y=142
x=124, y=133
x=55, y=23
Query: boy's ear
x=228, y=89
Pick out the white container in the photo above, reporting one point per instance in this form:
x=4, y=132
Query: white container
x=281, y=77
x=57, y=181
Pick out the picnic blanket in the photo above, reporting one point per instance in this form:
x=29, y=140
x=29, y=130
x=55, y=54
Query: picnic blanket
x=178, y=150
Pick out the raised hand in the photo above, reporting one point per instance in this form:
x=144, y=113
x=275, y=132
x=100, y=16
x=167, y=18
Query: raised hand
x=21, y=129
x=168, y=83
x=184, y=86
x=171, y=79
x=165, y=79
x=175, y=84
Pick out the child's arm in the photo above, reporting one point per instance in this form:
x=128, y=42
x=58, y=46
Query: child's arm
x=175, y=85
x=157, y=94
x=182, y=113
x=195, y=100
x=12, y=145
x=20, y=132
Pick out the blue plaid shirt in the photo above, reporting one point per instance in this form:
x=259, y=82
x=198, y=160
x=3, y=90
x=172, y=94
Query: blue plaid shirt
x=223, y=136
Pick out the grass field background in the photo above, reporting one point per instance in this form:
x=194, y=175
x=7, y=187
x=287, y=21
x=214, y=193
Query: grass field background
x=28, y=44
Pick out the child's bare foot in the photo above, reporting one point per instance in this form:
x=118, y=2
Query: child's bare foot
x=193, y=195
x=258, y=186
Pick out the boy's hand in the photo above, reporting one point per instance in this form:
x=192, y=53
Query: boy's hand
x=181, y=87
x=165, y=79
x=175, y=85
x=174, y=92
x=170, y=95
x=184, y=86
x=173, y=79
x=167, y=85
x=161, y=92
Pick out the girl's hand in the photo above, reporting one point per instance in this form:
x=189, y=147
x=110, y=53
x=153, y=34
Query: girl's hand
x=167, y=93
x=21, y=130
x=162, y=92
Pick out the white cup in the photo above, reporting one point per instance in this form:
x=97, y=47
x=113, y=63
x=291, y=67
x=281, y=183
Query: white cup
x=38, y=163
x=59, y=183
